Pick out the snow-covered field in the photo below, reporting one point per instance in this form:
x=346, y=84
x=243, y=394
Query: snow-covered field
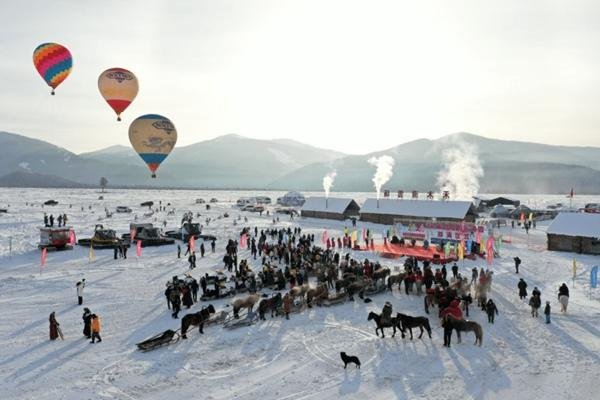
x=521, y=357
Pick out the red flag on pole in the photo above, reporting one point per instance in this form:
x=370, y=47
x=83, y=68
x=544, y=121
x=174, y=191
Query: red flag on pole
x=192, y=244
x=243, y=241
x=132, y=234
x=43, y=257
x=139, y=248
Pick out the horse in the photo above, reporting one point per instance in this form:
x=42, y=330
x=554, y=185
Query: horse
x=356, y=287
x=463, y=325
x=272, y=304
x=194, y=319
x=246, y=302
x=319, y=293
x=564, y=302
x=392, y=324
x=408, y=322
x=299, y=291
x=381, y=273
x=398, y=278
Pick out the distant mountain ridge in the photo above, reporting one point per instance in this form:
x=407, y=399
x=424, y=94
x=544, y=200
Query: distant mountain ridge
x=236, y=162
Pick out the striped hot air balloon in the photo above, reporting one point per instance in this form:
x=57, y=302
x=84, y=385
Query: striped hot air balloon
x=152, y=137
x=53, y=62
x=119, y=87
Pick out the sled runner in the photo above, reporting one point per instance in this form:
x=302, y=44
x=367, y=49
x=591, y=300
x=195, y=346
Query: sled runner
x=233, y=323
x=159, y=340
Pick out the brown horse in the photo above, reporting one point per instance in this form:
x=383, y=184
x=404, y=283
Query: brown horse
x=380, y=273
x=246, y=302
x=463, y=325
x=273, y=304
x=319, y=294
x=196, y=319
x=397, y=278
x=299, y=291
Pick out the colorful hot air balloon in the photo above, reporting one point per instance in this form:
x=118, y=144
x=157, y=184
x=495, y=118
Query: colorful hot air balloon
x=53, y=62
x=119, y=87
x=153, y=137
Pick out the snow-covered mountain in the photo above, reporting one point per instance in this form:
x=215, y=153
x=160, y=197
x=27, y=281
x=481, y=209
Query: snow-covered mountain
x=237, y=162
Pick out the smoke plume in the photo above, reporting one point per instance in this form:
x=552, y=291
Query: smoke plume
x=461, y=171
x=328, y=182
x=384, y=171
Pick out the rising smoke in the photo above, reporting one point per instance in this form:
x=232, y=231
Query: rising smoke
x=461, y=171
x=328, y=182
x=384, y=172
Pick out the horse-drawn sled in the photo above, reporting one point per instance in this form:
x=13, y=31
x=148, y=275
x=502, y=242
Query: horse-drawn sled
x=335, y=299
x=375, y=288
x=162, y=339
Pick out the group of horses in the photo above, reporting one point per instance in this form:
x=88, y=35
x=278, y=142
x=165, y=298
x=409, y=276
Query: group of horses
x=348, y=285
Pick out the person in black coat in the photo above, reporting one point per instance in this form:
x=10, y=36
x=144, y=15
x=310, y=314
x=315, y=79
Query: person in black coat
x=536, y=292
x=202, y=249
x=87, y=323
x=466, y=301
x=194, y=287
x=563, y=290
x=455, y=271
x=444, y=272
x=178, y=251
x=491, y=310
x=522, y=285
x=168, y=296
x=517, y=263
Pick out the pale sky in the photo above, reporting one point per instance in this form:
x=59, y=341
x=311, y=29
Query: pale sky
x=355, y=76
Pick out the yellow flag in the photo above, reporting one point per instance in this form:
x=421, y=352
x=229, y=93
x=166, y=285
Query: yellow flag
x=574, y=268
x=91, y=254
x=354, y=236
x=530, y=216
x=460, y=250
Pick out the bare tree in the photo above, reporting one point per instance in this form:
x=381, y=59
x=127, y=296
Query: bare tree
x=103, y=183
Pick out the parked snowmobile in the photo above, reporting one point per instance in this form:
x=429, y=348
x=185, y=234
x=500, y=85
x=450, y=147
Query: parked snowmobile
x=103, y=239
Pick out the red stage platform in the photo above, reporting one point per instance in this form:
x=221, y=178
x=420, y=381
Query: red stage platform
x=431, y=254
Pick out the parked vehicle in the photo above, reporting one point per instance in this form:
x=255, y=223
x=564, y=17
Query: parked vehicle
x=244, y=201
x=50, y=202
x=263, y=200
x=214, y=200
x=123, y=209
x=55, y=238
x=200, y=201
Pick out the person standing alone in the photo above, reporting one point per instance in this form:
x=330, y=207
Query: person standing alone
x=80, y=286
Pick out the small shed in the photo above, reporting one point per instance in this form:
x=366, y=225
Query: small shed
x=330, y=208
x=575, y=232
x=500, y=211
x=386, y=211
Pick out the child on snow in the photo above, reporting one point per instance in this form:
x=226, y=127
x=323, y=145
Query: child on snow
x=95, y=329
x=547, y=312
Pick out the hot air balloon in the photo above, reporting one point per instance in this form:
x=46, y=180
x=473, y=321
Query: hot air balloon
x=152, y=137
x=119, y=87
x=53, y=62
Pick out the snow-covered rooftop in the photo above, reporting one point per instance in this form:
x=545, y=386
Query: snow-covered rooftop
x=417, y=208
x=334, y=204
x=576, y=224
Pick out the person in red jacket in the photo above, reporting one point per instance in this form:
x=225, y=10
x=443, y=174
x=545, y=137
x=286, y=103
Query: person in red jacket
x=454, y=310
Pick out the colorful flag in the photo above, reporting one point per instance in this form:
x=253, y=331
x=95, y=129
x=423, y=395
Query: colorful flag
x=243, y=241
x=192, y=244
x=460, y=250
x=132, y=234
x=91, y=254
x=325, y=237
x=43, y=258
x=594, y=277
x=574, y=268
x=72, y=239
x=490, y=250
x=139, y=248
x=530, y=216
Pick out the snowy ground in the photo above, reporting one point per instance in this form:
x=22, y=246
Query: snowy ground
x=521, y=357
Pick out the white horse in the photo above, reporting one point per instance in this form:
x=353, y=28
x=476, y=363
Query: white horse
x=564, y=302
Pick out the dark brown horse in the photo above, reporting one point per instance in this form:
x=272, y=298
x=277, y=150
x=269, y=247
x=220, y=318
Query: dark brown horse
x=464, y=325
x=397, y=278
x=392, y=324
x=408, y=322
x=381, y=273
x=273, y=304
x=198, y=319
